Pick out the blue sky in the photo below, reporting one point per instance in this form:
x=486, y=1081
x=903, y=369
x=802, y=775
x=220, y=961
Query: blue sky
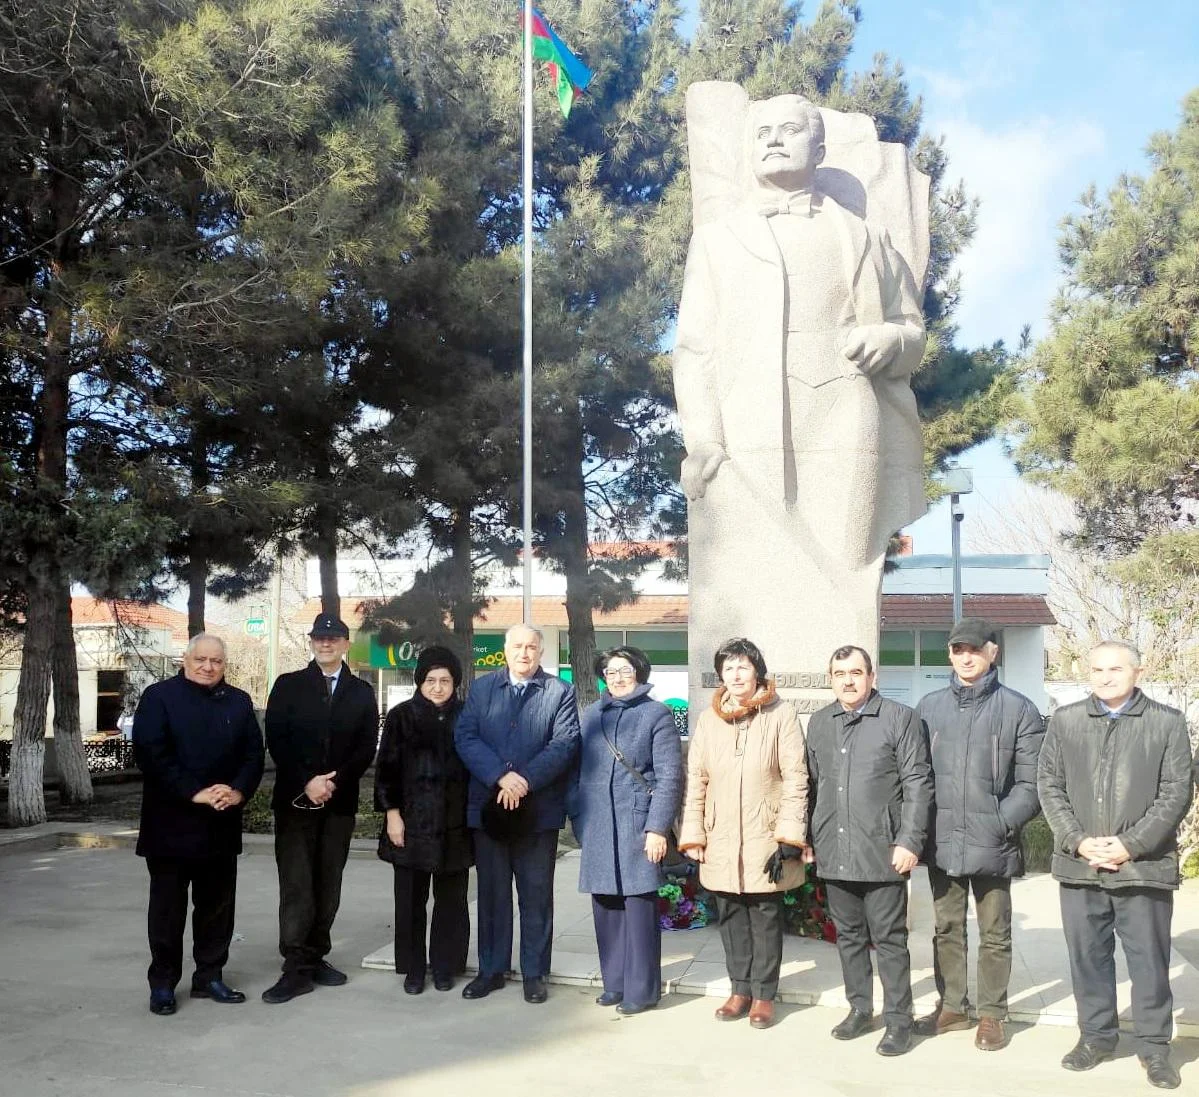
x=1036, y=100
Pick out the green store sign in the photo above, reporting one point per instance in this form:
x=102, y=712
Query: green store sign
x=488, y=650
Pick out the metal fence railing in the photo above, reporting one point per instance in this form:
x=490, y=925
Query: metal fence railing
x=103, y=756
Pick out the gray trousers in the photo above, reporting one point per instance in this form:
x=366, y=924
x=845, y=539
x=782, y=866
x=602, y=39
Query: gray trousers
x=993, y=909
x=751, y=930
x=1091, y=918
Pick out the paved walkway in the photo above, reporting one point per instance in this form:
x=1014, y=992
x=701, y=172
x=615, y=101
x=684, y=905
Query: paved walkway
x=73, y=1018
x=1039, y=993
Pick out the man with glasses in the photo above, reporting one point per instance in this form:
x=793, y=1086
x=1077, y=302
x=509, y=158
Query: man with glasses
x=198, y=745
x=322, y=727
x=518, y=735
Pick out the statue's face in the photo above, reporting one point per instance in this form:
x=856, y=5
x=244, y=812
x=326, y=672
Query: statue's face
x=785, y=151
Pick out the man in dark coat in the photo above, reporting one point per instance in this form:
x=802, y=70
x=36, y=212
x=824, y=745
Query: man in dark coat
x=870, y=792
x=322, y=726
x=1115, y=779
x=198, y=744
x=518, y=734
x=984, y=740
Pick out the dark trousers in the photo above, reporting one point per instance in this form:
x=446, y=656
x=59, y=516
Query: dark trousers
x=630, y=945
x=1091, y=918
x=751, y=931
x=449, y=935
x=878, y=913
x=213, y=883
x=311, y=848
x=530, y=862
x=993, y=909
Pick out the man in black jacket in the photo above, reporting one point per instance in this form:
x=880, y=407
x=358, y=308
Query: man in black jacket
x=198, y=744
x=983, y=740
x=1116, y=782
x=322, y=727
x=870, y=791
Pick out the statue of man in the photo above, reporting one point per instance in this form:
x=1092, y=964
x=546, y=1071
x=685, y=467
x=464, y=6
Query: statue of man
x=799, y=328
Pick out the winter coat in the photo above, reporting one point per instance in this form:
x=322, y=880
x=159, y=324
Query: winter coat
x=747, y=790
x=611, y=810
x=309, y=733
x=419, y=774
x=535, y=734
x=1128, y=777
x=870, y=788
x=984, y=740
x=187, y=736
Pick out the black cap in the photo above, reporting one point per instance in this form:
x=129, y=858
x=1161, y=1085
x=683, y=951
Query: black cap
x=975, y=631
x=437, y=656
x=328, y=625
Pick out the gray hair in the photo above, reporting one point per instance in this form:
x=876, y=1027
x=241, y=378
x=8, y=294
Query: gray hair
x=528, y=628
x=200, y=637
x=1121, y=645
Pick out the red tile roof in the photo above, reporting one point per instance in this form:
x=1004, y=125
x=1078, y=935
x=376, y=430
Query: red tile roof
x=936, y=610
x=146, y=615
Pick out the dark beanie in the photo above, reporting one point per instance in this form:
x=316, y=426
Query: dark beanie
x=437, y=657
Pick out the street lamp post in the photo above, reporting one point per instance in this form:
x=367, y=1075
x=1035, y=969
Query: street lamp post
x=959, y=482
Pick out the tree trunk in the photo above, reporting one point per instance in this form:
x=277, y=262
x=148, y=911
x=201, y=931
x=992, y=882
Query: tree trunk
x=74, y=781
x=576, y=564
x=462, y=596
x=326, y=554
x=197, y=585
x=26, y=801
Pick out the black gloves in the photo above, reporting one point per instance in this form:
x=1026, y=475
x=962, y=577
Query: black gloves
x=774, y=863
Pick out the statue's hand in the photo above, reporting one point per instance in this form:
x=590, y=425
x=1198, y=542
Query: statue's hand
x=873, y=347
x=699, y=467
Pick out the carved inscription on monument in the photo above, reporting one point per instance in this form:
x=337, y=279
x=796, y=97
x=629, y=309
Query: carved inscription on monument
x=787, y=679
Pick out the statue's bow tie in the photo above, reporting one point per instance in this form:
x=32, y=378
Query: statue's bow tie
x=800, y=205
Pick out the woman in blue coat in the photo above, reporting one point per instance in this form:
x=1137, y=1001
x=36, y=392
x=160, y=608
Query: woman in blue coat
x=629, y=788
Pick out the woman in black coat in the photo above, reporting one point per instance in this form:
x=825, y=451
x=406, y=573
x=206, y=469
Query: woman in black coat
x=420, y=785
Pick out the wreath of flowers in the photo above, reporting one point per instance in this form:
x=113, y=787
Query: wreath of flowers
x=684, y=904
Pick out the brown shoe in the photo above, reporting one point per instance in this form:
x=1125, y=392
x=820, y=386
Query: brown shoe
x=761, y=1013
x=991, y=1035
x=941, y=1021
x=734, y=1009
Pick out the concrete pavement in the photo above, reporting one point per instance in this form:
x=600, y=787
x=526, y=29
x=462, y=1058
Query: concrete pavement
x=73, y=1017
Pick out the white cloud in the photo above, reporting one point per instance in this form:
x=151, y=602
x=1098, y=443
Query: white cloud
x=1027, y=176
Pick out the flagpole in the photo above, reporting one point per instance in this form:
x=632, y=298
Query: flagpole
x=527, y=326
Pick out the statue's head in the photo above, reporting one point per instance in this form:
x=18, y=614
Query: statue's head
x=786, y=142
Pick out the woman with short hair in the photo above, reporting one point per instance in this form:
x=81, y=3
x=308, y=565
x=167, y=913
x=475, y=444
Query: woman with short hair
x=745, y=822
x=629, y=787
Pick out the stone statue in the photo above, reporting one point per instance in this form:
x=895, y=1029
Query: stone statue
x=799, y=328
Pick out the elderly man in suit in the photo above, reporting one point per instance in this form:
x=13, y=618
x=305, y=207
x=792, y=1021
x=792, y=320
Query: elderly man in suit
x=197, y=742
x=518, y=734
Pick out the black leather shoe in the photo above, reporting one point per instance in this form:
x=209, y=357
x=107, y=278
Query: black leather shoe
x=414, y=984
x=1086, y=1055
x=854, y=1025
x=1161, y=1072
x=162, y=1002
x=288, y=987
x=326, y=975
x=626, y=1009
x=482, y=985
x=609, y=998
x=896, y=1040
x=218, y=991
x=535, y=990
x=443, y=981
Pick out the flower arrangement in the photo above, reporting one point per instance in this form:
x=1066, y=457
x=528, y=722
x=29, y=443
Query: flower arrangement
x=804, y=911
x=682, y=902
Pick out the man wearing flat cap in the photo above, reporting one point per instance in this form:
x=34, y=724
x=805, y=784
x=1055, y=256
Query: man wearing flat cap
x=984, y=740
x=322, y=726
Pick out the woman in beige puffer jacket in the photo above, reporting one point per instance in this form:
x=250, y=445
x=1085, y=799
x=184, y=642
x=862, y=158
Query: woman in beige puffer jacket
x=745, y=812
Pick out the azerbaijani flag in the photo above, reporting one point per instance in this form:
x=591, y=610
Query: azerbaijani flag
x=569, y=74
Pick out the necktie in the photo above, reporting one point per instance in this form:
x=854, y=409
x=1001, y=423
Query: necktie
x=329, y=682
x=519, y=689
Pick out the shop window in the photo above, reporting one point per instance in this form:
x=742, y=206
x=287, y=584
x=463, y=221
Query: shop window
x=934, y=647
x=663, y=649
x=897, y=648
